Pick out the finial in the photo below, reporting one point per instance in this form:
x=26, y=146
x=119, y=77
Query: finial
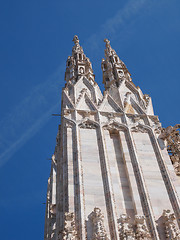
x=107, y=42
x=76, y=39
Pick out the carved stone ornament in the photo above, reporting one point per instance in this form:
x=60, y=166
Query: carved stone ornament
x=146, y=98
x=157, y=130
x=110, y=117
x=80, y=95
x=170, y=226
x=172, y=137
x=155, y=119
x=67, y=112
x=142, y=231
x=86, y=114
x=113, y=127
x=127, y=99
x=69, y=124
x=97, y=219
x=134, y=118
x=156, y=125
x=52, y=209
x=126, y=230
x=88, y=124
x=176, y=163
x=69, y=232
x=76, y=48
x=139, y=128
x=81, y=70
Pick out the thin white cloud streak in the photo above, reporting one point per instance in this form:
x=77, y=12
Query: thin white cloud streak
x=35, y=110
x=120, y=19
x=30, y=115
x=30, y=132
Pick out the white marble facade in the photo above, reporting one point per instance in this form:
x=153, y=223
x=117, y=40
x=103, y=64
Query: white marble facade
x=111, y=175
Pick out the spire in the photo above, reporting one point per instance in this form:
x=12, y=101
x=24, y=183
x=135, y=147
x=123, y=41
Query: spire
x=114, y=70
x=76, y=39
x=108, y=51
x=78, y=64
x=76, y=48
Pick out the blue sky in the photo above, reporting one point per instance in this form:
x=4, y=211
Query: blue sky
x=36, y=39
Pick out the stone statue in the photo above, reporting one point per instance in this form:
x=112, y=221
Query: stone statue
x=69, y=232
x=172, y=137
x=97, y=219
x=170, y=226
x=142, y=231
x=126, y=231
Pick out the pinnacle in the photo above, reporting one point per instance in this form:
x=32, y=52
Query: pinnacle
x=76, y=39
x=78, y=64
x=113, y=68
x=107, y=42
x=76, y=48
x=109, y=51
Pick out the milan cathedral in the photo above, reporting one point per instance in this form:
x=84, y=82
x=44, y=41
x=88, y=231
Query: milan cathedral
x=115, y=172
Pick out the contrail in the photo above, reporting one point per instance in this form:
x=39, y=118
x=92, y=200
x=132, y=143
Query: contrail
x=34, y=111
x=26, y=135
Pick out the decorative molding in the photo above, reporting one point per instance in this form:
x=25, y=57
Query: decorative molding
x=84, y=90
x=142, y=231
x=69, y=232
x=171, y=230
x=114, y=126
x=88, y=124
x=126, y=230
x=139, y=128
x=97, y=219
x=88, y=99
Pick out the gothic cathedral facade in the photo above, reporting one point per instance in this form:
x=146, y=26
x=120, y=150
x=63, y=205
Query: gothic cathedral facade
x=111, y=175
